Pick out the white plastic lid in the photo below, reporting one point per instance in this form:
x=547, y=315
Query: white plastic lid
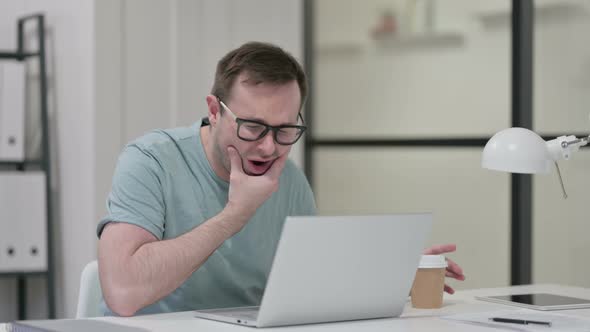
x=433, y=262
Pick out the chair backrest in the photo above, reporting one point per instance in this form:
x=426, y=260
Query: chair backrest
x=90, y=292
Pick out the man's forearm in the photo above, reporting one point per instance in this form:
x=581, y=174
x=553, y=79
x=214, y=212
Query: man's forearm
x=156, y=269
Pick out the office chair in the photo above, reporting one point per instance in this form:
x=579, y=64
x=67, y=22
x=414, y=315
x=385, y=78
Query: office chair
x=90, y=292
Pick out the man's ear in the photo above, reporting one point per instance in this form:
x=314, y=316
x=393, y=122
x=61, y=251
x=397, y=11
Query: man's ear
x=214, y=112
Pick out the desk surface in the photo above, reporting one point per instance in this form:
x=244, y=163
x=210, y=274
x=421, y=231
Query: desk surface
x=411, y=320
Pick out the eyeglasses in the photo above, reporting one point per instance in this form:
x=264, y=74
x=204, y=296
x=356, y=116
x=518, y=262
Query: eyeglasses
x=252, y=130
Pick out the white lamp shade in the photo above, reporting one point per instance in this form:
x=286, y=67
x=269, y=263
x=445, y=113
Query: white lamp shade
x=517, y=150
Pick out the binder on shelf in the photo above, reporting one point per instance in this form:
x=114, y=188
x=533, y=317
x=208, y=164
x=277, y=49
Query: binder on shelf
x=24, y=240
x=12, y=111
x=23, y=223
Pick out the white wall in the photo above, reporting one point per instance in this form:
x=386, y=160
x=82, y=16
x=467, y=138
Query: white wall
x=421, y=88
x=429, y=90
x=364, y=89
x=468, y=203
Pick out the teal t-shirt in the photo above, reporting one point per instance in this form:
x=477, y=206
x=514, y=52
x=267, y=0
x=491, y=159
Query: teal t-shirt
x=164, y=184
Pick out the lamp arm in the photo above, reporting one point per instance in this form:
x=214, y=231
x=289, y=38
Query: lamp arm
x=562, y=147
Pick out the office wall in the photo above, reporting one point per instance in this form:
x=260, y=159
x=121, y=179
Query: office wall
x=468, y=203
x=451, y=81
x=421, y=84
x=117, y=70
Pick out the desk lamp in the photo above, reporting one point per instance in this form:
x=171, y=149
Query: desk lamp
x=519, y=150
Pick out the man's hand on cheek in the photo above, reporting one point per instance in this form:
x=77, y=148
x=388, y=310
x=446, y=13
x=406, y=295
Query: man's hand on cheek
x=247, y=193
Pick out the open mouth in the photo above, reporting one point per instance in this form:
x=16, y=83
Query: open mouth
x=259, y=167
x=259, y=163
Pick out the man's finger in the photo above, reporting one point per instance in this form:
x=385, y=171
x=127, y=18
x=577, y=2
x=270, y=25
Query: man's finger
x=449, y=289
x=450, y=274
x=454, y=267
x=235, y=160
x=440, y=249
x=277, y=167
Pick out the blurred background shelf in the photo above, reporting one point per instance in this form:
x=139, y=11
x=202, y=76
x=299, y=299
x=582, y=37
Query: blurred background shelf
x=339, y=48
x=385, y=42
x=421, y=41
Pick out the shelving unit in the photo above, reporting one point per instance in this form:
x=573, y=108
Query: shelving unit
x=340, y=48
x=420, y=41
x=402, y=42
x=43, y=163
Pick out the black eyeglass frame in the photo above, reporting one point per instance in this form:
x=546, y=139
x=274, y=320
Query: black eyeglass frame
x=274, y=129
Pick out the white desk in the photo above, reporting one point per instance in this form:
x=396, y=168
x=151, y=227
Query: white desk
x=411, y=320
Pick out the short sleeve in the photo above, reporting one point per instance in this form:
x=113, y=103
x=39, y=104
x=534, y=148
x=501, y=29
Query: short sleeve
x=304, y=200
x=136, y=195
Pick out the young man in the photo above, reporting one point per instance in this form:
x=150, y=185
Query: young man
x=195, y=213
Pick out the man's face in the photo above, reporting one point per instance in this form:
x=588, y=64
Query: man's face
x=274, y=105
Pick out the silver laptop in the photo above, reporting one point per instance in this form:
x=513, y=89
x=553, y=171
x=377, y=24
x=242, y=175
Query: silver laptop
x=330, y=269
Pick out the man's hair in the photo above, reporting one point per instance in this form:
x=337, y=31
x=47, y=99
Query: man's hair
x=261, y=63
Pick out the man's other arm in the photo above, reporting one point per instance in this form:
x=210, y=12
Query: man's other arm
x=136, y=269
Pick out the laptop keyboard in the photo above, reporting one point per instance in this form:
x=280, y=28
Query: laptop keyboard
x=246, y=313
x=250, y=314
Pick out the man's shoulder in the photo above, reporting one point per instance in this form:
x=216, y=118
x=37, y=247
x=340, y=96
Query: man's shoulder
x=292, y=174
x=296, y=191
x=160, y=141
x=291, y=169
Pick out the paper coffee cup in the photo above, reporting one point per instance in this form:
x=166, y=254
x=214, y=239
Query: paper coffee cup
x=429, y=283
